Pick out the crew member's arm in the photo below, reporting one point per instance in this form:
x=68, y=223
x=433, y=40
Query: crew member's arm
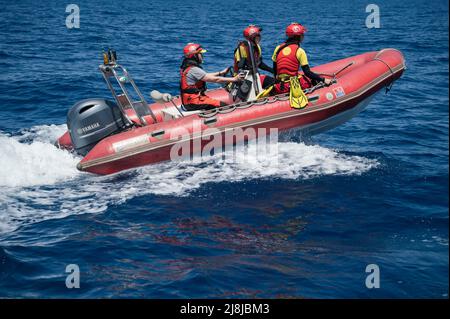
x=310, y=74
x=302, y=58
x=261, y=64
x=265, y=67
x=221, y=73
x=199, y=74
x=216, y=78
x=274, y=60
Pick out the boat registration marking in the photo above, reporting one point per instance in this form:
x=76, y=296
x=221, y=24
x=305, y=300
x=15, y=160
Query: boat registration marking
x=130, y=143
x=339, y=91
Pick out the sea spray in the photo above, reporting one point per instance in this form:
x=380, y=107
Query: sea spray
x=39, y=181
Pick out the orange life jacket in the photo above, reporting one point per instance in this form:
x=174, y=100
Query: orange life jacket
x=189, y=92
x=287, y=64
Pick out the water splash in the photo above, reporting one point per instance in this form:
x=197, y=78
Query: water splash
x=39, y=181
x=36, y=162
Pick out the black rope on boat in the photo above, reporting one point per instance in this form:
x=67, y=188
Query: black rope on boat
x=388, y=87
x=244, y=105
x=389, y=67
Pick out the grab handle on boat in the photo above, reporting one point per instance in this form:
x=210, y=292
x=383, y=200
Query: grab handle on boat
x=157, y=133
x=210, y=120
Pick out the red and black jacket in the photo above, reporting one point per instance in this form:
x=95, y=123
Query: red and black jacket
x=190, y=91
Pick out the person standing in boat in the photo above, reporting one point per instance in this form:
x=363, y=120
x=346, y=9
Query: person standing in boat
x=242, y=59
x=288, y=57
x=194, y=78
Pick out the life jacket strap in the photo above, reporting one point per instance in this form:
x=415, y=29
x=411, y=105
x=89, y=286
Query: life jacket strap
x=191, y=91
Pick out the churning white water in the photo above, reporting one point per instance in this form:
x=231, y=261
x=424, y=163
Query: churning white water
x=39, y=181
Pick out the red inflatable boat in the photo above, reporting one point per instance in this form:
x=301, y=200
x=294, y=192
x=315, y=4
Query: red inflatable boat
x=128, y=133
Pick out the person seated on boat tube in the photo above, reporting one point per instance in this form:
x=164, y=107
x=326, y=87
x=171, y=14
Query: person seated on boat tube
x=288, y=57
x=194, y=78
x=241, y=55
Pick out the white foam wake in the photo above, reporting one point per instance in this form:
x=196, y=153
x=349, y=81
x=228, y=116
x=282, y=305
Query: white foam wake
x=39, y=182
x=292, y=161
x=31, y=159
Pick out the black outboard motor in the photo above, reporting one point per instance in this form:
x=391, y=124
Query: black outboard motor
x=91, y=120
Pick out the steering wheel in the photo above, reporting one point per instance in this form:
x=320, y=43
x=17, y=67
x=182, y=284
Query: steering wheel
x=230, y=73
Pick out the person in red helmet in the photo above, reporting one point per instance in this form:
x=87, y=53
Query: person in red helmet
x=288, y=57
x=242, y=59
x=194, y=78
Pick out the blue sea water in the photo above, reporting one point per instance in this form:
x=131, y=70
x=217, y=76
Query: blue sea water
x=372, y=191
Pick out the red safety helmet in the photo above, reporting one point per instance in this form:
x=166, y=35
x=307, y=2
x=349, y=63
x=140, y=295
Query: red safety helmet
x=191, y=49
x=295, y=29
x=252, y=31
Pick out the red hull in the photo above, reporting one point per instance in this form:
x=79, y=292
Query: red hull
x=329, y=106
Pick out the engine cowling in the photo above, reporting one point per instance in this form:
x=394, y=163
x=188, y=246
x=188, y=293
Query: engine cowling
x=91, y=120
